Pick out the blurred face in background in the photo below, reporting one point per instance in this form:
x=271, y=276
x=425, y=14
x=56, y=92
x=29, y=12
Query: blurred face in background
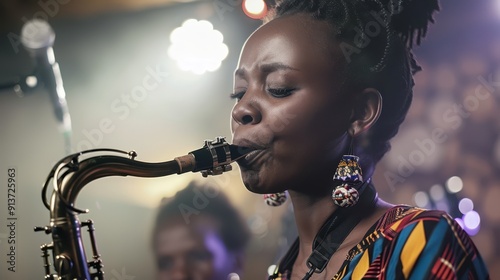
x=193, y=251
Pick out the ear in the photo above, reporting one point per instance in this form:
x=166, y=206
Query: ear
x=366, y=110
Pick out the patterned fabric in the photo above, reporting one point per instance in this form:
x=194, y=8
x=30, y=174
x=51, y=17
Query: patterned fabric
x=413, y=243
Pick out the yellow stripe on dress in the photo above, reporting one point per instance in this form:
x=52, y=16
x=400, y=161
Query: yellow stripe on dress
x=362, y=266
x=395, y=226
x=412, y=249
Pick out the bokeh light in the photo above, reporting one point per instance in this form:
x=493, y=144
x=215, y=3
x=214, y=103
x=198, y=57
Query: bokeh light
x=255, y=9
x=465, y=205
x=197, y=47
x=454, y=184
x=437, y=192
x=471, y=220
x=421, y=199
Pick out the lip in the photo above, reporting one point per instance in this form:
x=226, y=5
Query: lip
x=249, y=144
x=252, y=157
x=258, y=151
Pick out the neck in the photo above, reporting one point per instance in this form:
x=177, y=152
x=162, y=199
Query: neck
x=310, y=214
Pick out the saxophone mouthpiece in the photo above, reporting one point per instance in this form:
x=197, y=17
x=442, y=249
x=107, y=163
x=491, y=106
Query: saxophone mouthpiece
x=214, y=158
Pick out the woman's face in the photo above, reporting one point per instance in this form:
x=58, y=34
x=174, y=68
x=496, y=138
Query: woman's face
x=192, y=251
x=289, y=106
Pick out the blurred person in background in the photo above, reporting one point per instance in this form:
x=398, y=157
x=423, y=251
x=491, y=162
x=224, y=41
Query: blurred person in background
x=199, y=235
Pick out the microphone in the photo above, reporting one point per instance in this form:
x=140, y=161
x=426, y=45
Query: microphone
x=37, y=37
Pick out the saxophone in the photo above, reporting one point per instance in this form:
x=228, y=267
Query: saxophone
x=72, y=173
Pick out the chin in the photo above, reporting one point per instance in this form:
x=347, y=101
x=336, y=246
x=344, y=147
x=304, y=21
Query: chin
x=251, y=181
x=254, y=183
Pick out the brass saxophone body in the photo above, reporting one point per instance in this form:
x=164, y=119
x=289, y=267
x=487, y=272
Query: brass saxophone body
x=71, y=174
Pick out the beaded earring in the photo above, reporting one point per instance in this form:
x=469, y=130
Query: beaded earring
x=347, y=176
x=275, y=199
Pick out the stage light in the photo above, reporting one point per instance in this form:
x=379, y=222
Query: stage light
x=255, y=9
x=197, y=47
x=454, y=184
x=465, y=205
x=437, y=192
x=421, y=199
x=471, y=220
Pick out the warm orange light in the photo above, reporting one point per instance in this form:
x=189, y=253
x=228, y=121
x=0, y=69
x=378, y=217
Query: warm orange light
x=255, y=9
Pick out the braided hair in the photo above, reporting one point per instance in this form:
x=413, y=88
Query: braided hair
x=376, y=38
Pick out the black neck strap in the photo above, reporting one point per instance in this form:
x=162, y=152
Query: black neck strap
x=331, y=235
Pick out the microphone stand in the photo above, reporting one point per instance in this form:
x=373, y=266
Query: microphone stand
x=38, y=37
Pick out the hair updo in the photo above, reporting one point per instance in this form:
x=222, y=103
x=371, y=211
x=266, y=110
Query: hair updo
x=376, y=38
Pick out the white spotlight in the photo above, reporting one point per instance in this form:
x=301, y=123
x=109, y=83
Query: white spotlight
x=471, y=220
x=454, y=184
x=465, y=205
x=255, y=9
x=421, y=199
x=437, y=192
x=197, y=47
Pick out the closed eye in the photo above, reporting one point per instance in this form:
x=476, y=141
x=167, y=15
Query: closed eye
x=281, y=92
x=237, y=95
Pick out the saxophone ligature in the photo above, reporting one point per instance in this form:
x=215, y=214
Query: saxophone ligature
x=74, y=171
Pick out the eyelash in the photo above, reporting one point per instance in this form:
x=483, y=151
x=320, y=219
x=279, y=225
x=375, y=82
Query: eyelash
x=237, y=95
x=276, y=92
x=281, y=92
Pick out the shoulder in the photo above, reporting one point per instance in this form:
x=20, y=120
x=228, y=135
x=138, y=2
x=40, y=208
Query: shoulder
x=401, y=217
x=430, y=243
x=429, y=230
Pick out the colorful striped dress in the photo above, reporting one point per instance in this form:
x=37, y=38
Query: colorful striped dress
x=412, y=243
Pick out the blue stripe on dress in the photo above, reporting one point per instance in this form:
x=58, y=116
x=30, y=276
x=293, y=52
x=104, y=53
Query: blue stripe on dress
x=396, y=253
x=424, y=265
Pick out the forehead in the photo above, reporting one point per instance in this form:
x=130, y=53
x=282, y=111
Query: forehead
x=177, y=235
x=296, y=40
x=177, y=238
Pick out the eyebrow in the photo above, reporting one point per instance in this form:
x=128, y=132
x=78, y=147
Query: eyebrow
x=266, y=68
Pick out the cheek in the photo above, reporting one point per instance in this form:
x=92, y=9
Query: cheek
x=204, y=271
x=308, y=119
x=232, y=125
x=313, y=131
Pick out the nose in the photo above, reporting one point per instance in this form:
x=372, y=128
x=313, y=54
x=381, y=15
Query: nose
x=246, y=113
